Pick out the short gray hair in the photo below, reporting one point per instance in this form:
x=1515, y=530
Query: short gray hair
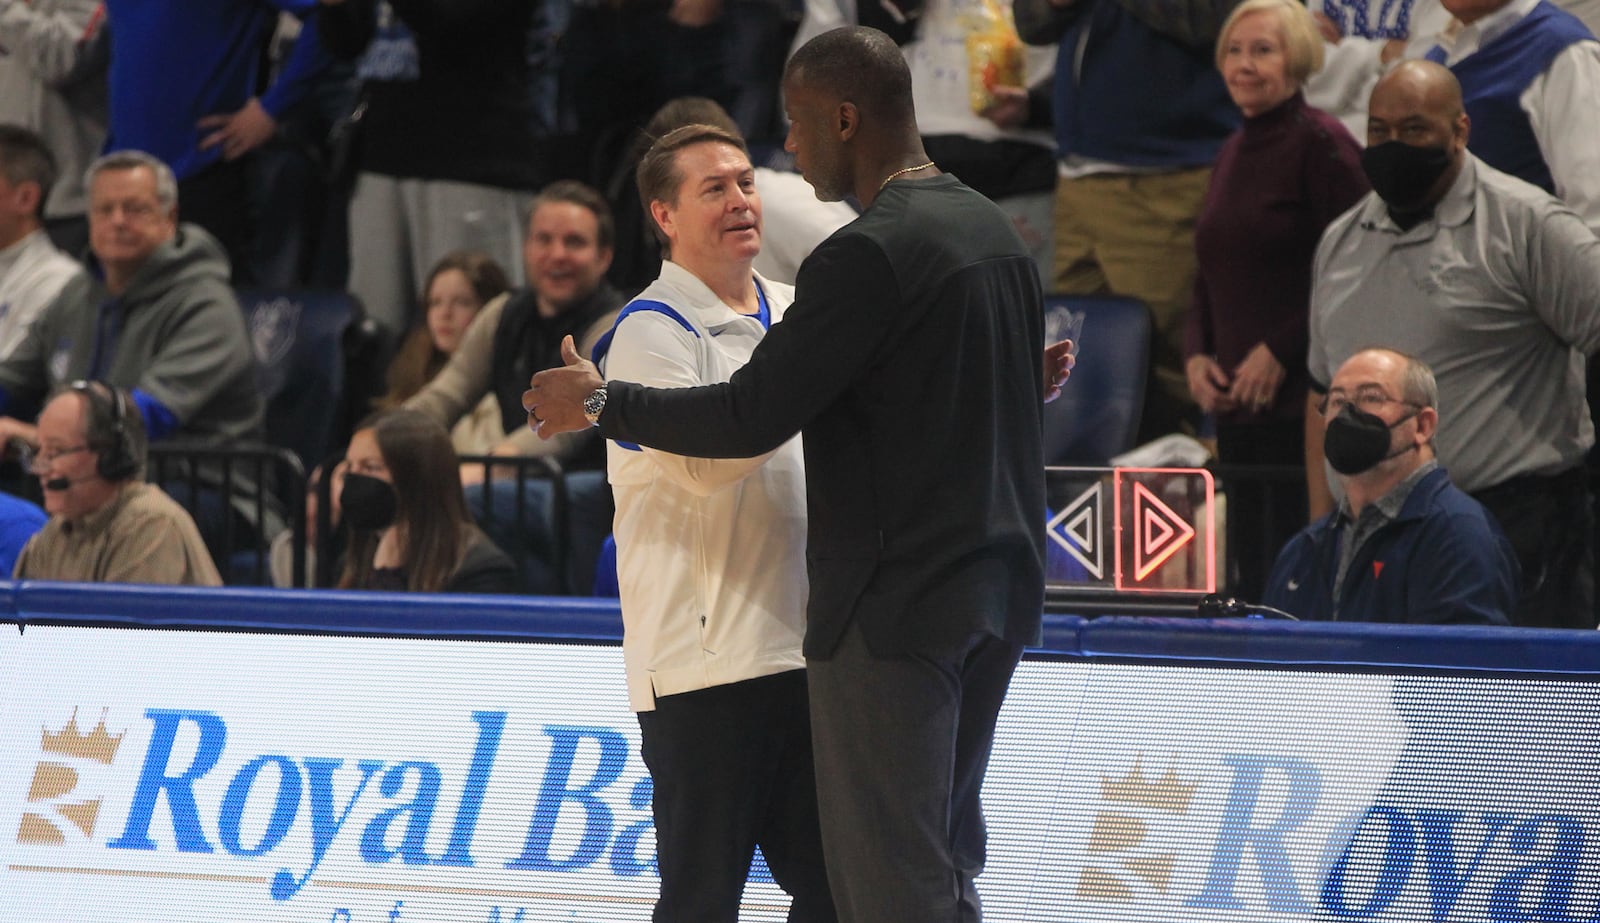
x=166, y=182
x=1417, y=383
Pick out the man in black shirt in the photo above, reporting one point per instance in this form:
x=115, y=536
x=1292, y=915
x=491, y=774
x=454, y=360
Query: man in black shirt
x=910, y=361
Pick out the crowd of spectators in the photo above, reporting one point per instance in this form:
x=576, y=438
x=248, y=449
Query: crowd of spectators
x=1281, y=186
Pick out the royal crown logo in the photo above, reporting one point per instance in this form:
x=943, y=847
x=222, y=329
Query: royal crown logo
x=54, y=781
x=1167, y=793
x=1122, y=832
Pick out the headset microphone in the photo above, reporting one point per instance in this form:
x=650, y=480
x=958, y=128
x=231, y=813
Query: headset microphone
x=60, y=484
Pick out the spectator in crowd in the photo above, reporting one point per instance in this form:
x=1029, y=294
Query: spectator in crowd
x=1361, y=40
x=446, y=156
x=1140, y=114
x=924, y=491
x=1493, y=283
x=32, y=270
x=184, y=83
x=712, y=629
x=795, y=221
x=570, y=236
x=1003, y=149
x=409, y=525
x=106, y=525
x=53, y=56
x=1277, y=183
x=621, y=62
x=301, y=215
x=1405, y=544
x=154, y=315
x=1530, y=81
x=458, y=287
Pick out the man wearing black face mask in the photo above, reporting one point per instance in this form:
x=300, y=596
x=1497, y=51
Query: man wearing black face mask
x=1405, y=545
x=1494, y=283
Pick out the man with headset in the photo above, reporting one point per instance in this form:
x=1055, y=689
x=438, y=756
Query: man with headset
x=106, y=525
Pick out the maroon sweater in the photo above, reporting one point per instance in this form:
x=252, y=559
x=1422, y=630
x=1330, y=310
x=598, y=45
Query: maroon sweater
x=1278, y=182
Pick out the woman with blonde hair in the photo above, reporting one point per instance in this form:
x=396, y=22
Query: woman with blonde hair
x=1279, y=180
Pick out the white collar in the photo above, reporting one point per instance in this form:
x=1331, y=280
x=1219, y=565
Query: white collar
x=1469, y=39
x=708, y=307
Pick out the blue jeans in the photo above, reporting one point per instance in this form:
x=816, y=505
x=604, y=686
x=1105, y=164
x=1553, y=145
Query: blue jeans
x=550, y=564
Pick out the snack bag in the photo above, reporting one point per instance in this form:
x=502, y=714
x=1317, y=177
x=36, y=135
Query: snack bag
x=994, y=54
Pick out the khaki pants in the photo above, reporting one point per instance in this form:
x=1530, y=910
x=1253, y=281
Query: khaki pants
x=1133, y=234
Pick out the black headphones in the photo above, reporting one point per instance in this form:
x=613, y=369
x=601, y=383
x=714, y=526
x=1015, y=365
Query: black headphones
x=107, y=412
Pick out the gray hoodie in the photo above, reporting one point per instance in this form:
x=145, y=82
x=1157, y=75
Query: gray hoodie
x=177, y=334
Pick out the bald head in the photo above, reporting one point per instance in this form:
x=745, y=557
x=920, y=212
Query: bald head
x=1399, y=375
x=858, y=65
x=1422, y=85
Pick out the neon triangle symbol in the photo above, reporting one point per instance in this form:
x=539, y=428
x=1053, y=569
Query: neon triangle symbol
x=1082, y=528
x=1160, y=532
x=1156, y=530
x=1077, y=530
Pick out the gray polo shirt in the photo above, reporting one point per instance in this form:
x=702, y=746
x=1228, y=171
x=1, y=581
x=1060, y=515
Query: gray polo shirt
x=1499, y=292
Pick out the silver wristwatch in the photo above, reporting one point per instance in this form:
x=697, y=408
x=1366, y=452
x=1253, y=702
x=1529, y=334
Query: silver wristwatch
x=594, y=404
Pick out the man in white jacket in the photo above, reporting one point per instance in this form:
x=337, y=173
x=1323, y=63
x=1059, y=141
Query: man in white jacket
x=711, y=559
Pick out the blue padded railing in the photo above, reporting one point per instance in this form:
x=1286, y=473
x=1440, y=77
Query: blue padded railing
x=462, y=616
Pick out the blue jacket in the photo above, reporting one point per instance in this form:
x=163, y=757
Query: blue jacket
x=175, y=61
x=1128, y=92
x=1443, y=560
x=19, y=520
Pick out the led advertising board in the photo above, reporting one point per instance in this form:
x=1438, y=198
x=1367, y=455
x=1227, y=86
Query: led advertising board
x=203, y=777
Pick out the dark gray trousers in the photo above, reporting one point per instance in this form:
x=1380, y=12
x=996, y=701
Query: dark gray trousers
x=901, y=745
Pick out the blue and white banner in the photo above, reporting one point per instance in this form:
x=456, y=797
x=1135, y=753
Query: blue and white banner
x=210, y=776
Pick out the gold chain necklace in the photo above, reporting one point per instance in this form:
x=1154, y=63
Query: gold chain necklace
x=899, y=173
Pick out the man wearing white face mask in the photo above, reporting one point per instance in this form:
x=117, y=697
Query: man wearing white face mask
x=1405, y=544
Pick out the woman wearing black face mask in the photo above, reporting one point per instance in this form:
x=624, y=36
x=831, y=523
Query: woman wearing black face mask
x=401, y=498
x=1278, y=181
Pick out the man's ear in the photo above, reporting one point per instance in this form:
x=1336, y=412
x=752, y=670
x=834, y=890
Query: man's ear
x=661, y=214
x=1427, y=423
x=848, y=120
x=27, y=197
